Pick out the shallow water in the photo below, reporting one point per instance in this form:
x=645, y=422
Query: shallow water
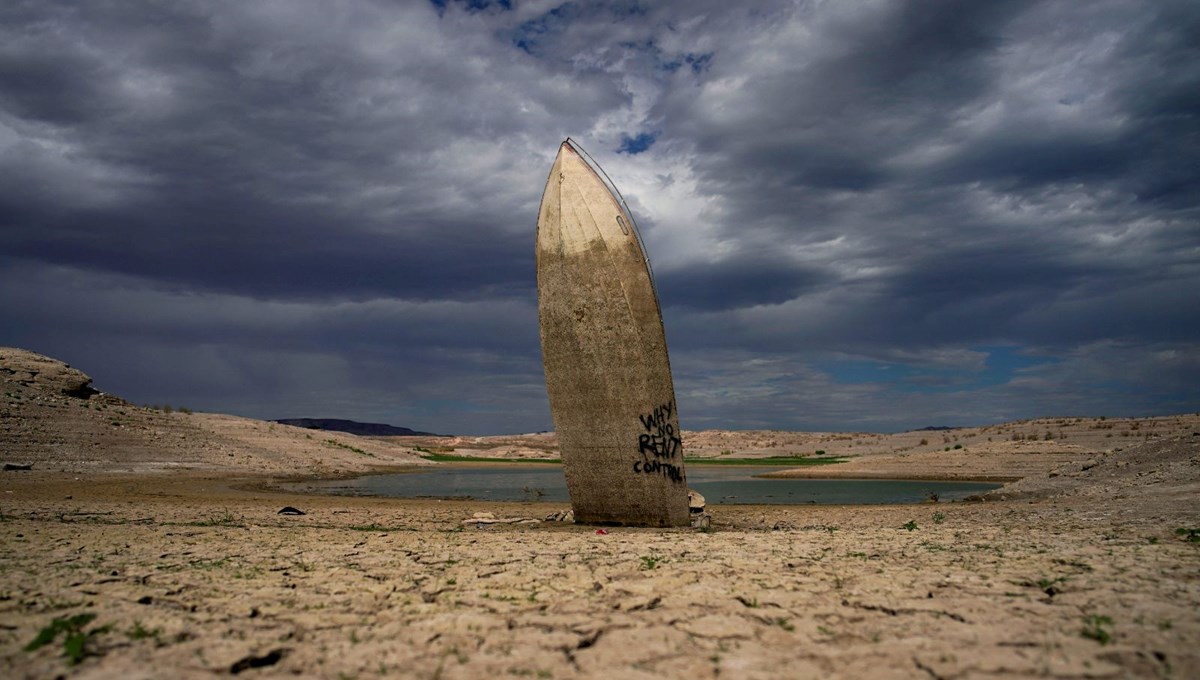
x=718, y=484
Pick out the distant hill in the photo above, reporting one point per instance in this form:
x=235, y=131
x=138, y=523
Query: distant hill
x=354, y=427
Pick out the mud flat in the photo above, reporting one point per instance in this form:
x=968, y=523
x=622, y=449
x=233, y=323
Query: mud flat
x=1080, y=572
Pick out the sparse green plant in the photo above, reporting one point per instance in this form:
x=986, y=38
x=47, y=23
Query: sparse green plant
x=785, y=624
x=939, y=517
x=75, y=639
x=224, y=520
x=820, y=452
x=650, y=562
x=355, y=449
x=910, y=525
x=1189, y=535
x=957, y=446
x=1095, y=628
x=140, y=632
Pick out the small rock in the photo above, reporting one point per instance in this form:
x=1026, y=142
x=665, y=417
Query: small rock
x=491, y=519
x=289, y=510
x=561, y=516
x=483, y=515
x=695, y=502
x=18, y=466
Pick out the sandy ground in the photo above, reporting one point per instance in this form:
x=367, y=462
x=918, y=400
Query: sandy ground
x=164, y=527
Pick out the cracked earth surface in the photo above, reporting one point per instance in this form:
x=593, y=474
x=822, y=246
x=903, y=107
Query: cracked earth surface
x=195, y=576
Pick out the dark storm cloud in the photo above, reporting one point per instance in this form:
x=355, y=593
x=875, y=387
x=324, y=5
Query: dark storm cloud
x=268, y=155
x=861, y=215
x=741, y=282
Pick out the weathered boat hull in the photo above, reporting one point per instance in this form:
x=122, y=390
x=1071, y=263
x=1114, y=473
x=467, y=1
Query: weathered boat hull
x=607, y=371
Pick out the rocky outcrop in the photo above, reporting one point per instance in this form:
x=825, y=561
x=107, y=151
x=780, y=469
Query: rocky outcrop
x=41, y=373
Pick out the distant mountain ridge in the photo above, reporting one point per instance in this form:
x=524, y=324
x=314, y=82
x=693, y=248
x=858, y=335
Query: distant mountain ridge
x=353, y=427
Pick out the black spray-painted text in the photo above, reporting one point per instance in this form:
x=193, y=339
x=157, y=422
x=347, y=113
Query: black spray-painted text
x=661, y=441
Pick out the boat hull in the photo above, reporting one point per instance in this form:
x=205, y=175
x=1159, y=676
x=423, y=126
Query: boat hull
x=608, y=375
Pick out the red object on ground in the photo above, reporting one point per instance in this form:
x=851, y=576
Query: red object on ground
x=601, y=532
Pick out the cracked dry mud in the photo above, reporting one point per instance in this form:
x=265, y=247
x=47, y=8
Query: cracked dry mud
x=199, y=576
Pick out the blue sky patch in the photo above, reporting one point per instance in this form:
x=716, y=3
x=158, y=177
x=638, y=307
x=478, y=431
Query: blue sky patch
x=1003, y=363
x=472, y=6
x=636, y=145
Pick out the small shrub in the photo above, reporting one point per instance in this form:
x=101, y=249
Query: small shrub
x=910, y=525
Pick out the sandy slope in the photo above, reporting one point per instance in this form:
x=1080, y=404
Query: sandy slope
x=1077, y=570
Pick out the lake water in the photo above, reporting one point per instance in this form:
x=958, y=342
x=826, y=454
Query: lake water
x=719, y=485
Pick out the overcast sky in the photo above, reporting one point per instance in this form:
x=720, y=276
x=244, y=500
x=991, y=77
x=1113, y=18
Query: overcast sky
x=861, y=215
